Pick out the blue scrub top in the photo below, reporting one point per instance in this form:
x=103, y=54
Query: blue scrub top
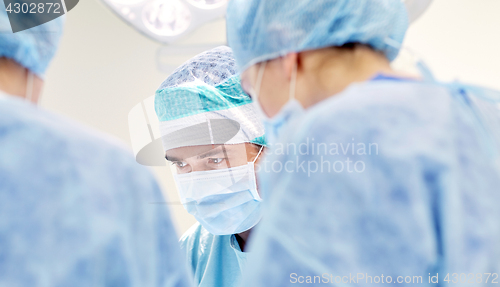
x=216, y=260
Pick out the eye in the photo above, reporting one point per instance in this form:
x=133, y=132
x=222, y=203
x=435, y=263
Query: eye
x=179, y=164
x=216, y=160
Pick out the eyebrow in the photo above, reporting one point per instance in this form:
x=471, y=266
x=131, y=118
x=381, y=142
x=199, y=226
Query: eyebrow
x=172, y=158
x=213, y=152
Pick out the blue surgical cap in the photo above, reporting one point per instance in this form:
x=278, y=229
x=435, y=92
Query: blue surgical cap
x=33, y=48
x=261, y=30
x=206, y=91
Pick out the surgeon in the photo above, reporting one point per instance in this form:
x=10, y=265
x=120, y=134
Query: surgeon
x=74, y=205
x=213, y=138
x=395, y=178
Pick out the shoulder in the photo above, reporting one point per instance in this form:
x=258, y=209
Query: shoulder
x=66, y=187
x=376, y=111
x=18, y=116
x=197, y=244
x=63, y=155
x=381, y=101
x=370, y=128
x=191, y=233
x=196, y=239
x=27, y=125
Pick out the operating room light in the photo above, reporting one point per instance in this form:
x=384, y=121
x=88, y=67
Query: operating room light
x=127, y=2
x=167, y=17
x=167, y=21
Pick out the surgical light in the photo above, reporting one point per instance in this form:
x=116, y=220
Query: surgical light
x=167, y=21
x=167, y=17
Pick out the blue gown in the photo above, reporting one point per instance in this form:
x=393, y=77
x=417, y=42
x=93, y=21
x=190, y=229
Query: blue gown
x=408, y=185
x=216, y=260
x=76, y=209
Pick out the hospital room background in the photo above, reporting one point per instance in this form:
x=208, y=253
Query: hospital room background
x=119, y=67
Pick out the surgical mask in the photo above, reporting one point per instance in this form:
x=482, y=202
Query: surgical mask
x=291, y=110
x=224, y=201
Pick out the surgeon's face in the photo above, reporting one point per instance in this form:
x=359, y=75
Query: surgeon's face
x=274, y=89
x=211, y=157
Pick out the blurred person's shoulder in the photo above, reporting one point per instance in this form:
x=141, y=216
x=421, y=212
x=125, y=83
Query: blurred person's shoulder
x=381, y=98
x=26, y=116
x=381, y=108
x=30, y=135
x=73, y=197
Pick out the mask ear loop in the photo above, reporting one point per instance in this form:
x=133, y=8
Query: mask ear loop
x=254, y=192
x=256, y=92
x=260, y=77
x=29, y=86
x=293, y=82
x=256, y=157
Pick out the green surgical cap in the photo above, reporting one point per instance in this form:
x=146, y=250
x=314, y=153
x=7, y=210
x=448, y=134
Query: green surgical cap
x=202, y=103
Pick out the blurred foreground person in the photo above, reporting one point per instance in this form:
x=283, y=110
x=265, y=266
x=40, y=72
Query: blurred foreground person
x=74, y=206
x=393, y=179
x=212, y=135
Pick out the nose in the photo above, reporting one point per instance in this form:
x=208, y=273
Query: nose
x=196, y=166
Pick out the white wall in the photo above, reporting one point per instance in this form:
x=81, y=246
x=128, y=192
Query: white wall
x=460, y=39
x=104, y=67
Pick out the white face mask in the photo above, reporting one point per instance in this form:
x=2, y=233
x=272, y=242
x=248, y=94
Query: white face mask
x=224, y=201
x=291, y=110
